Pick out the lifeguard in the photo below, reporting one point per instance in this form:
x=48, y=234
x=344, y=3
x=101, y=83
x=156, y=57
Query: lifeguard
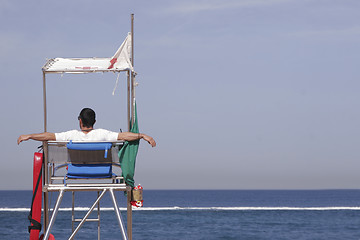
x=87, y=132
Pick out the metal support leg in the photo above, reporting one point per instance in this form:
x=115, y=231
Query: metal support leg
x=87, y=214
x=98, y=215
x=72, y=211
x=56, y=209
x=129, y=213
x=118, y=214
x=46, y=210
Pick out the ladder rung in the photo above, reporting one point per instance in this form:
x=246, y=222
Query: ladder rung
x=87, y=220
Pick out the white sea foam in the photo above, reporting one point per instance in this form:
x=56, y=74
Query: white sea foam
x=250, y=208
x=14, y=209
x=201, y=209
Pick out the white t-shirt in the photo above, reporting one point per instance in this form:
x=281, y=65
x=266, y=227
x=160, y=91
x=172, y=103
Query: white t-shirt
x=93, y=135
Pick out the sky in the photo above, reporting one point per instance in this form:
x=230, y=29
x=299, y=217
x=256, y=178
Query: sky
x=238, y=94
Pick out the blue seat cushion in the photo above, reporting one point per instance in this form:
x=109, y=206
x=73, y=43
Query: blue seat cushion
x=89, y=170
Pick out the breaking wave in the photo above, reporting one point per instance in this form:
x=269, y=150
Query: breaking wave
x=201, y=209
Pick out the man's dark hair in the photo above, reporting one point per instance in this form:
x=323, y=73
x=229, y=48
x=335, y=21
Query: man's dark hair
x=87, y=116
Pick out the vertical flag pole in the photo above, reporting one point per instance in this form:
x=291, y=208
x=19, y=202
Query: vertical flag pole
x=129, y=192
x=132, y=39
x=132, y=73
x=128, y=100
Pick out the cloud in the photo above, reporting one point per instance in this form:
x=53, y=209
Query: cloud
x=9, y=43
x=5, y=4
x=195, y=7
x=328, y=33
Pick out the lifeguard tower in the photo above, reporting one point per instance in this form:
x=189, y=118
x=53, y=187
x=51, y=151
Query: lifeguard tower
x=75, y=166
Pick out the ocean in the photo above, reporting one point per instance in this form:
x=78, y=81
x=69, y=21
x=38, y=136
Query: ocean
x=203, y=214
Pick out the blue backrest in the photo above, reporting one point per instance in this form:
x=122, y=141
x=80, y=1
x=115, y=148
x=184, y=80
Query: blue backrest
x=90, y=170
x=90, y=146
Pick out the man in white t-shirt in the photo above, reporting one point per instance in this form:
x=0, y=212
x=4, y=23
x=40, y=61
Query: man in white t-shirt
x=87, y=133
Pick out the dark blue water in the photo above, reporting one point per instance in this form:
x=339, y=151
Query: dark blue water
x=243, y=214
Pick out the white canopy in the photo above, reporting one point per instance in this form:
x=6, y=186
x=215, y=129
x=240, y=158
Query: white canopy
x=119, y=62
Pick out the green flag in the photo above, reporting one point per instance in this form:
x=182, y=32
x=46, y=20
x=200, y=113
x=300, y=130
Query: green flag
x=127, y=155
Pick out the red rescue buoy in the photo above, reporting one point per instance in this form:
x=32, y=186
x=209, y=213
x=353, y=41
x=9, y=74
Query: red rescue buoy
x=51, y=237
x=35, y=213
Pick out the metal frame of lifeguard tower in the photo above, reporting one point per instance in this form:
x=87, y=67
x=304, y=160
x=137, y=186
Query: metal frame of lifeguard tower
x=130, y=117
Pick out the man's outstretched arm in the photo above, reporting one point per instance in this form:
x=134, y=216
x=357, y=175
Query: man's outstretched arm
x=45, y=136
x=129, y=136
